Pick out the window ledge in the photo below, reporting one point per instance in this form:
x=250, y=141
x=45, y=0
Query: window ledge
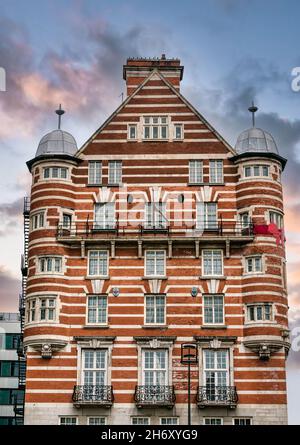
x=213, y=326
x=96, y=326
x=212, y=277
x=96, y=185
x=154, y=277
x=97, y=277
x=154, y=326
x=192, y=184
x=115, y=184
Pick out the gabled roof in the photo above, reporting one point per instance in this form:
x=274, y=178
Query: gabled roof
x=156, y=72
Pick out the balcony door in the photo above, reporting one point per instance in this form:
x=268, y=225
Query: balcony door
x=207, y=216
x=94, y=373
x=104, y=216
x=216, y=374
x=156, y=215
x=155, y=374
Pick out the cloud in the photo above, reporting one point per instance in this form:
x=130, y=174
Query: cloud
x=11, y=216
x=9, y=291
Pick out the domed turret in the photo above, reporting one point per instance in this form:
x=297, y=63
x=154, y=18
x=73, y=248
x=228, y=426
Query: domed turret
x=57, y=142
x=255, y=140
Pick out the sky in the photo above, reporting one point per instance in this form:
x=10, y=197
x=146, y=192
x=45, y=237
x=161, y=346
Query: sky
x=72, y=52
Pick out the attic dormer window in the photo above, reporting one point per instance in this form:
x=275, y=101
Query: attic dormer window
x=155, y=127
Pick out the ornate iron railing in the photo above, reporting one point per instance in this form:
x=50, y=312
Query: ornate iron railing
x=154, y=395
x=93, y=395
x=217, y=395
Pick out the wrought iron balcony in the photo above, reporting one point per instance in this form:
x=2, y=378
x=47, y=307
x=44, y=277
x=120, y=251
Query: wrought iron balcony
x=154, y=395
x=92, y=230
x=93, y=395
x=217, y=396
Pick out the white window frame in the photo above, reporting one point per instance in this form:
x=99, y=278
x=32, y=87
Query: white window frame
x=129, y=127
x=278, y=218
x=215, y=369
x=155, y=297
x=251, y=259
x=70, y=216
x=169, y=418
x=156, y=369
x=31, y=310
x=256, y=171
x=195, y=171
x=94, y=172
x=212, y=418
x=212, y=297
x=96, y=417
x=59, y=176
x=106, y=218
x=241, y=418
x=213, y=274
x=203, y=213
x=156, y=215
x=67, y=417
x=244, y=224
x=96, y=309
x=98, y=265
x=214, y=169
x=47, y=308
x=262, y=306
x=94, y=368
x=140, y=418
x=37, y=300
x=53, y=259
x=159, y=125
x=115, y=168
x=157, y=251
x=181, y=126
x=37, y=220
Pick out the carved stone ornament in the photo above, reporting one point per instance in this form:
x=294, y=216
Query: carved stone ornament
x=46, y=351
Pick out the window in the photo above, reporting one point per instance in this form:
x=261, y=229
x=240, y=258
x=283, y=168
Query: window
x=9, y=368
x=67, y=221
x=68, y=420
x=195, y=172
x=216, y=172
x=94, y=367
x=207, y=215
x=115, y=172
x=8, y=396
x=212, y=262
x=276, y=218
x=50, y=264
x=213, y=421
x=132, y=132
x=216, y=373
x=56, y=173
x=41, y=309
x=256, y=170
x=37, y=221
x=97, y=309
x=155, y=263
x=7, y=421
x=98, y=262
x=254, y=264
x=244, y=220
x=178, y=131
x=155, y=127
x=104, y=216
x=155, y=368
x=95, y=172
x=47, y=309
x=242, y=421
x=169, y=420
x=140, y=421
x=97, y=421
x=155, y=309
x=12, y=341
x=213, y=308
x=156, y=215
x=259, y=312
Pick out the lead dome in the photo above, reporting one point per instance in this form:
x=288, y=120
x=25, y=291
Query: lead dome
x=255, y=140
x=57, y=142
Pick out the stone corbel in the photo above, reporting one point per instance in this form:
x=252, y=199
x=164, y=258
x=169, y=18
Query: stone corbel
x=264, y=348
x=46, y=346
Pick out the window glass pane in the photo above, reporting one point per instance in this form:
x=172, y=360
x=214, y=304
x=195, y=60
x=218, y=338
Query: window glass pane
x=132, y=131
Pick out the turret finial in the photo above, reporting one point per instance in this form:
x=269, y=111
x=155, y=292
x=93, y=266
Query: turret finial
x=253, y=109
x=59, y=112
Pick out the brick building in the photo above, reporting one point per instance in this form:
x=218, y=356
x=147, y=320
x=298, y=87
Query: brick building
x=155, y=233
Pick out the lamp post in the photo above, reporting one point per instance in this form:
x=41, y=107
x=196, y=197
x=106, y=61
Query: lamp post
x=189, y=356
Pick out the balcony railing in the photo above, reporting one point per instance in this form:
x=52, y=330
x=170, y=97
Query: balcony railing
x=217, y=396
x=179, y=229
x=93, y=395
x=154, y=395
